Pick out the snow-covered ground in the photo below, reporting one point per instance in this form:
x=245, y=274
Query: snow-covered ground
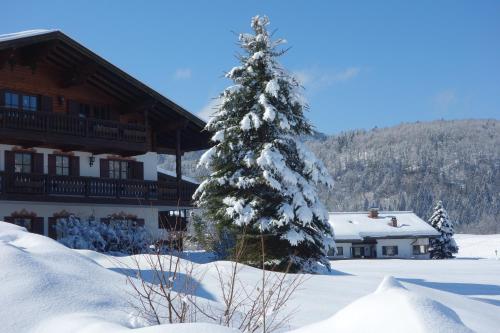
x=46, y=287
x=478, y=246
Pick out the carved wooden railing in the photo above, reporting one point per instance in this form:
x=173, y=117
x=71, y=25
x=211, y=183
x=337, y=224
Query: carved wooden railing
x=91, y=187
x=53, y=123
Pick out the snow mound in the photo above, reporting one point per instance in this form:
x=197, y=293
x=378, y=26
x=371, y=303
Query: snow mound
x=391, y=308
x=47, y=287
x=85, y=323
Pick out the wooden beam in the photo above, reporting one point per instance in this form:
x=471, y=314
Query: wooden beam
x=7, y=56
x=173, y=126
x=178, y=162
x=79, y=74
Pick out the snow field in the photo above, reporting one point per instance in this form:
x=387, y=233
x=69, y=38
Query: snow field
x=47, y=287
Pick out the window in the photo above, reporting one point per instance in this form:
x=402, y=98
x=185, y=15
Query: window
x=119, y=169
x=358, y=251
x=420, y=249
x=175, y=220
x=390, y=250
x=24, y=222
x=22, y=162
x=62, y=165
x=84, y=111
x=340, y=251
x=102, y=112
x=11, y=100
x=30, y=103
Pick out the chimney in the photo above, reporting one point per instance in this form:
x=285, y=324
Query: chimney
x=373, y=213
x=394, y=221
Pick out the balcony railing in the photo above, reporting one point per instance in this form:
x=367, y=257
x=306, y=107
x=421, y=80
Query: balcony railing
x=67, y=188
x=62, y=124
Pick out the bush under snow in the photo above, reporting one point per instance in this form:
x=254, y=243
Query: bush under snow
x=119, y=235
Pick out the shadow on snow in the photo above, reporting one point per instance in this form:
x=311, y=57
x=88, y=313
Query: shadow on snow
x=465, y=289
x=179, y=284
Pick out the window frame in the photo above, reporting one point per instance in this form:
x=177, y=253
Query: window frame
x=19, y=105
x=23, y=164
x=420, y=247
x=60, y=167
x=30, y=99
x=10, y=105
x=119, y=169
x=29, y=219
x=394, y=250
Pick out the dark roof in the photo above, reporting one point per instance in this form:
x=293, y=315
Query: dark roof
x=65, y=52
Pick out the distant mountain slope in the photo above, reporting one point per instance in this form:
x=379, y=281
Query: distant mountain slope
x=410, y=166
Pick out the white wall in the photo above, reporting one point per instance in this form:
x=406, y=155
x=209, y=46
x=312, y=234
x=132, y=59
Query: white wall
x=405, y=247
x=346, y=249
x=149, y=159
x=46, y=210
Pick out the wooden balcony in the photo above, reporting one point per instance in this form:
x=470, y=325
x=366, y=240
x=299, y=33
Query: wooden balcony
x=72, y=133
x=48, y=188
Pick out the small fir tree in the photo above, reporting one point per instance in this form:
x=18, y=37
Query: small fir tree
x=263, y=179
x=443, y=246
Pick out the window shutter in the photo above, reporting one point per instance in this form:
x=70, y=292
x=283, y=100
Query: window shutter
x=9, y=161
x=73, y=108
x=395, y=250
x=140, y=222
x=74, y=166
x=384, y=250
x=114, y=115
x=38, y=163
x=46, y=103
x=37, y=225
x=2, y=97
x=138, y=170
x=104, y=168
x=52, y=227
x=52, y=164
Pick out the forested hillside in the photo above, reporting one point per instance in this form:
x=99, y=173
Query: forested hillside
x=410, y=166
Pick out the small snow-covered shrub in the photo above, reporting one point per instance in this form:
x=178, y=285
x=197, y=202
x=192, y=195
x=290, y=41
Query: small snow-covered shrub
x=118, y=235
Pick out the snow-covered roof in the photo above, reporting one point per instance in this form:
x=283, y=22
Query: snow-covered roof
x=172, y=174
x=358, y=225
x=24, y=34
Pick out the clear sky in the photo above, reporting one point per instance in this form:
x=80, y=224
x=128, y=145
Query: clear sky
x=363, y=63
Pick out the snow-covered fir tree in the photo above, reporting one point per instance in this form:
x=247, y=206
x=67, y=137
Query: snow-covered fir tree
x=443, y=246
x=263, y=179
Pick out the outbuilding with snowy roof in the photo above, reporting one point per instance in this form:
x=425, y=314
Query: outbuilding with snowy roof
x=384, y=234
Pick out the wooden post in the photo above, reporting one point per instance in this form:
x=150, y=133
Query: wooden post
x=178, y=161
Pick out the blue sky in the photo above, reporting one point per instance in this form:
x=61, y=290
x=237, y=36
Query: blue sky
x=363, y=63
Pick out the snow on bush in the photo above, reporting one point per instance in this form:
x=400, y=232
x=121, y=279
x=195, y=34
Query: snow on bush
x=119, y=235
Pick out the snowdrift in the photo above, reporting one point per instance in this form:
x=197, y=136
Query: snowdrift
x=46, y=287
x=391, y=308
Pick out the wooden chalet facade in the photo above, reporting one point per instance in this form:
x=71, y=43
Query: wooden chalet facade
x=79, y=135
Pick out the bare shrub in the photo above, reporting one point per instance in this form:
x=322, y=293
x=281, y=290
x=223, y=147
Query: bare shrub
x=164, y=287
